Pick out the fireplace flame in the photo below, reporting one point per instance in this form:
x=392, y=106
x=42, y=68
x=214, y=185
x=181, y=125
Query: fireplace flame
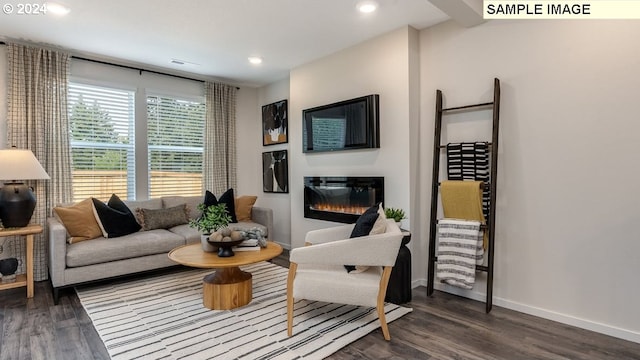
x=345, y=209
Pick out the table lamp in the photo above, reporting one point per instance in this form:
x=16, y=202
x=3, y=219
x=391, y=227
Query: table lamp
x=17, y=200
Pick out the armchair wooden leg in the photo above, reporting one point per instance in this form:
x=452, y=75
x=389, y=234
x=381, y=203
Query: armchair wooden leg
x=383, y=322
x=292, y=274
x=384, y=281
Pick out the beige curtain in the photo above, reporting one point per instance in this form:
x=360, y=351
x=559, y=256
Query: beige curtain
x=220, y=138
x=37, y=120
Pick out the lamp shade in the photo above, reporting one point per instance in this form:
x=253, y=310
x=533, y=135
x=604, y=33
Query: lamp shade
x=20, y=164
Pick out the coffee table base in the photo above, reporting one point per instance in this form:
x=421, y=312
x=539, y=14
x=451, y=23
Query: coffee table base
x=226, y=288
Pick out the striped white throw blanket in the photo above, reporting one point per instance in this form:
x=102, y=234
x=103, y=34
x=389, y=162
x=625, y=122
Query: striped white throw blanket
x=470, y=161
x=459, y=250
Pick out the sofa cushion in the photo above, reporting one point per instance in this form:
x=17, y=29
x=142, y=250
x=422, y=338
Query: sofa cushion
x=191, y=235
x=151, y=219
x=114, y=218
x=320, y=282
x=102, y=250
x=147, y=204
x=80, y=221
x=191, y=202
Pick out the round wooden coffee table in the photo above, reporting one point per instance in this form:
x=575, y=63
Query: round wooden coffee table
x=228, y=287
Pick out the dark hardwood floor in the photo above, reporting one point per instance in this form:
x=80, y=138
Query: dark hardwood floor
x=440, y=327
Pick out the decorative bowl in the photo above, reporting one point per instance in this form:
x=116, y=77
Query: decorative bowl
x=224, y=247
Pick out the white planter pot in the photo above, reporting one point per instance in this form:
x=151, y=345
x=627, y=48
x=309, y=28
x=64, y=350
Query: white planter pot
x=206, y=247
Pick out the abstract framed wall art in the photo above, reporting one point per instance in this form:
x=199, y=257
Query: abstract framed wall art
x=275, y=171
x=275, y=123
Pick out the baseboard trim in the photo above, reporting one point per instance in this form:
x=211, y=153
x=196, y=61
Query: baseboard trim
x=601, y=328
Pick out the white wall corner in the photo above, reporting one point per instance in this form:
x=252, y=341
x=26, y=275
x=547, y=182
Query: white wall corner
x=466, y=13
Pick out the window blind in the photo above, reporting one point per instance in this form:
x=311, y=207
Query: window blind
x=175, y=133
x=102, y=141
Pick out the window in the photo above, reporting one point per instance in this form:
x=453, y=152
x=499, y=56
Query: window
x=175, y=133
x=102, y=141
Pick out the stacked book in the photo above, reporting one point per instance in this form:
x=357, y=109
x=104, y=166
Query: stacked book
x=247, y=245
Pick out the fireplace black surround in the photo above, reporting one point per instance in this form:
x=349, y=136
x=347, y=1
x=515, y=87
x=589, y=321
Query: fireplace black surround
x=341, y=198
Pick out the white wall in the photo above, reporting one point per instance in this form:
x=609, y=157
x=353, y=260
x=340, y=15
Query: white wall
x=248, y=144
x=567, y=238
x=377, y=66
x=279, y=202
x=249, y=151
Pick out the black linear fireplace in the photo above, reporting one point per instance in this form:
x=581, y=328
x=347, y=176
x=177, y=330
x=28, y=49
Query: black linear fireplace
x=341, y=198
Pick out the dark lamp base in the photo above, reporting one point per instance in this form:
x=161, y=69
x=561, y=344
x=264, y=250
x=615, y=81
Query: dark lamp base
x=17, y=203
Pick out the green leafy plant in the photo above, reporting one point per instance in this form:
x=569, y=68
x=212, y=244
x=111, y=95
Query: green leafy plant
x=213, y=218
x=396, y=214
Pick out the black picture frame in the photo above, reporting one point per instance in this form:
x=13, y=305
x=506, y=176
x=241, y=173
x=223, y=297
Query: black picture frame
x=275, y=171
x=275, y=123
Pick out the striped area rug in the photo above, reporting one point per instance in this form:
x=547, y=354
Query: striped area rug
x=162, y=317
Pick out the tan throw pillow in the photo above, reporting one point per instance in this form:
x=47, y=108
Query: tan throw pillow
x=380, y=226
x=244, y=204
x=79, y=221
x=162, y=218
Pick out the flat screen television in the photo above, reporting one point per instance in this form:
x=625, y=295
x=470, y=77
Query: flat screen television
x=345, y=125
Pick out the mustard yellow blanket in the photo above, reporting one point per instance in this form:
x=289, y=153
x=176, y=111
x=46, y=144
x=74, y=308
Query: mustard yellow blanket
x=463, y=200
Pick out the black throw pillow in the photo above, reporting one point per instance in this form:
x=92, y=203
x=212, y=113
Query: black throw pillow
x=363, y=227
x=365, y=222
x=228, y=199
x=209, y=199
x=115, y=218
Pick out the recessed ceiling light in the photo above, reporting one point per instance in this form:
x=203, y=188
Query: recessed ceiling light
x=57, y=8
x=255, y=60
x=367, y=6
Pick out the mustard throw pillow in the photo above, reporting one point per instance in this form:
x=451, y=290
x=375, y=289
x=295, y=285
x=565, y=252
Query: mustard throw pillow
x=79, y=221
x=243, y=205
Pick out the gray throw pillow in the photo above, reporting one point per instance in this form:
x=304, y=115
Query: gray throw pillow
x=162, y=218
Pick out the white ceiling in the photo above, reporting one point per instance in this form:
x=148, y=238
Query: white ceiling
x=215, y=37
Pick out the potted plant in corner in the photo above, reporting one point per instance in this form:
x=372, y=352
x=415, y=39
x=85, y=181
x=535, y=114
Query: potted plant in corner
x=396, y=214
x=213, y=218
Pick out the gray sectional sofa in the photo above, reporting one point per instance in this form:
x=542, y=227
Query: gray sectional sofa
x=102, y=258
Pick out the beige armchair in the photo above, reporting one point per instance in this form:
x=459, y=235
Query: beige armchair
x=317, y=272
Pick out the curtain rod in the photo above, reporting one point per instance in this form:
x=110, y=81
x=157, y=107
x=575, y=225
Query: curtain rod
x=131, y=67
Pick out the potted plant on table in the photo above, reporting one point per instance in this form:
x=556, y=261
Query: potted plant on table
x=396, y=214
x=213, y=218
